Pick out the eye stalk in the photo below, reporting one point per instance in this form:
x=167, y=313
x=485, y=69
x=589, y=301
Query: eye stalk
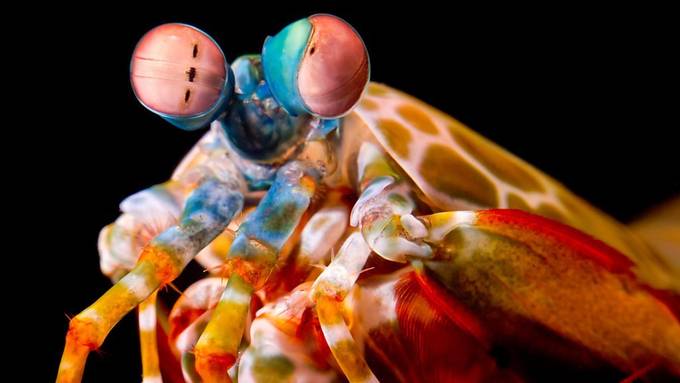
x=318, y=65
x=180, y=73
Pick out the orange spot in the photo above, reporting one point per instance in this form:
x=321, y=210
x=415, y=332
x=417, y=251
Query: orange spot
x=516, y=202
x=308, y=184
x=551, y=212
x=164, y=264
x=450, y=174
x=503, y=164
x=84, y=332
x=257, y=269
x=417, y=118
x=397, y=136
x=377, y=90
x=368, y=104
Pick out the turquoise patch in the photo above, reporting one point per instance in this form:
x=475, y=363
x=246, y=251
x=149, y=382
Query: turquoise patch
x=281, y=57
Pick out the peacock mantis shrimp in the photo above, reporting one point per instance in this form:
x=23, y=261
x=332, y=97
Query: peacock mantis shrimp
x=354, y=232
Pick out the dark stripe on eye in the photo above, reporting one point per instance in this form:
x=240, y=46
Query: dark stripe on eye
x=192, y=74
x=195, y=53
x=186, y=95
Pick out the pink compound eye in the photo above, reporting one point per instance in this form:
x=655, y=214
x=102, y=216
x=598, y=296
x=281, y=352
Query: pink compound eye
x=335, y=68
x=178, y=70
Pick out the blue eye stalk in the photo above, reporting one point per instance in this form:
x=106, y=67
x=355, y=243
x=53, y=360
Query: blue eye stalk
x=310, y=73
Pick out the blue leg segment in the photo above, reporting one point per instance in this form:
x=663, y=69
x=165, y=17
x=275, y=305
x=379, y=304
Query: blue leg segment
x=263, y=234
x=252, y=257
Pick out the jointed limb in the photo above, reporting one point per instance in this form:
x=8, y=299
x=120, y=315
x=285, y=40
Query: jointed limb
x=252, y=257
x=207, y=212
x=382, y=211
x=144, y=215
x=329, y=290
x=318, y=237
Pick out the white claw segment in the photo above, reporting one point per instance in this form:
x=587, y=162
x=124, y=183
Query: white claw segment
x=441, y=227
x=339, y=277
x=413, y=226
x=368, y=154
x=398, y=249
x=363, y=203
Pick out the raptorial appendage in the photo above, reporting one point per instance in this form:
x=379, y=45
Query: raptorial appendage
x=359, y=237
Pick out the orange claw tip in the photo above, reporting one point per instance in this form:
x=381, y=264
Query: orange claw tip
x=178, y=70
x=335, y=68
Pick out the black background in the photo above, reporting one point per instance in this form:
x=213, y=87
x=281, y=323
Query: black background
x=587, y=96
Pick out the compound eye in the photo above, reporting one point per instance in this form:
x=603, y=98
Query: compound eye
x=334, y=69
x=178, y=71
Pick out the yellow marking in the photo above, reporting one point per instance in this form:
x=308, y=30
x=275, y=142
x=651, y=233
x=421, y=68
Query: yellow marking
x=517, y=202
x=551, y=212
x=221, y=245
x=308, y=184
x=256, y=269
x=167, y=265
x=333, y=291
x=417, y=118
x=272, y=368
x=88, y=329
x=221, y=338
x=351, y=361
x=147, y=340
x=504, y=166
x=450, y=174
x=378, y=168
x=397, y=136
x=377, y=90
x=344, y=349
x=368, y=104
x=117, y=302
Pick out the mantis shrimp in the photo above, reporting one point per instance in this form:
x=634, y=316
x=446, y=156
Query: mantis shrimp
x=354, y=232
